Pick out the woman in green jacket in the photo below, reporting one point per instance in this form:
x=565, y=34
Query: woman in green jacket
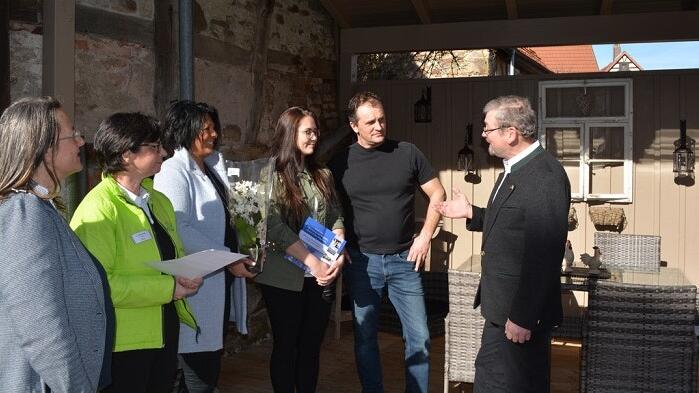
x=294, y=295
x=125, y=224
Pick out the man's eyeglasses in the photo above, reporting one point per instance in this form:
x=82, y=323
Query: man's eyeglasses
x=489, y=130
x=311, y=131
x=73, y=135
x=155, y=145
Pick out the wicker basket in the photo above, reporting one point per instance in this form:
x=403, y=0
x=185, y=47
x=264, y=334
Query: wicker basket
x=607, y=217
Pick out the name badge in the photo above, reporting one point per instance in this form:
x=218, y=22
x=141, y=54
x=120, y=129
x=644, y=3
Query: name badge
x=140, y=237
x=233, y=172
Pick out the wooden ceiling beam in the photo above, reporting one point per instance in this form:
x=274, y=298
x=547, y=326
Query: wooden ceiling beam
x=423, y=11
x=690, y=5
x=339, y=17
x=511, y=9
x=523, y=32
x=605, y=7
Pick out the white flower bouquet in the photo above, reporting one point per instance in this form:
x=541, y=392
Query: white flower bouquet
x=249, y=198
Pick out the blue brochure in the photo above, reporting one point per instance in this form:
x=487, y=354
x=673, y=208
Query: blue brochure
x=320, y=241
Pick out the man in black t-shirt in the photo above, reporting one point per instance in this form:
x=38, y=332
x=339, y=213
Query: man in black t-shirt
x=377, y=179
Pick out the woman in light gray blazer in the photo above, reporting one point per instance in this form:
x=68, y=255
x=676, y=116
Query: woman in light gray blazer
x=56, y=319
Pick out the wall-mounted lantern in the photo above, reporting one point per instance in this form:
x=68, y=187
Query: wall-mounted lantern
x=465, y=156
x=683, y=156
x=423, y=107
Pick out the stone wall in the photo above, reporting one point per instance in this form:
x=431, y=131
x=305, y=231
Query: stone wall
x=25, y=60
x=254, y=58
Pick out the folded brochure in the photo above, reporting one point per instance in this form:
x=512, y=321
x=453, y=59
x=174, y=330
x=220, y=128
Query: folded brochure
x=320, y=241
x=198, y=264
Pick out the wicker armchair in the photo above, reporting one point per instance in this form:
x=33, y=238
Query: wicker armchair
x=464, y=328
x=639, y=338
x=629, y=252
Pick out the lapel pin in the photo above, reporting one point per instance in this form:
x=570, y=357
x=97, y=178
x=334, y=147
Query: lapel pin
x=512, y=187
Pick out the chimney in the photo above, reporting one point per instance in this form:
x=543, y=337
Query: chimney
x=616, y=51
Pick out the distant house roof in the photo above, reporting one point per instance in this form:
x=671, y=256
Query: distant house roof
x=564, y=59
x=626, y=57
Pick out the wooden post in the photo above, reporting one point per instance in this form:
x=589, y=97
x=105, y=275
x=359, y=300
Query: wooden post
x=4, y=54
x=58, y=77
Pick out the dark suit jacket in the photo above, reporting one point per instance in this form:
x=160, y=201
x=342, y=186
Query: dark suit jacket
x=524, y=231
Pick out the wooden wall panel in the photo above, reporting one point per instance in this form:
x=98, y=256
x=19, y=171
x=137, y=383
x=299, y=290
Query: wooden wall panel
x=659, y=205
x=644, y=211
x=461, y=116
x=691, y=198
x=668, y=102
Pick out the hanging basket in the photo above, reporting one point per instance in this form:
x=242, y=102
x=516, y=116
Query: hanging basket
x=572, y=219
x=608, y=218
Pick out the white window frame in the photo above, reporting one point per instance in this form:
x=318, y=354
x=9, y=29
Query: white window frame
x=585, y=123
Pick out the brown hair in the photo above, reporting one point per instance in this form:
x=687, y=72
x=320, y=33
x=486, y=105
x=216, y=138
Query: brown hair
x=289, y=162
x=360, y=99
x=28, y=129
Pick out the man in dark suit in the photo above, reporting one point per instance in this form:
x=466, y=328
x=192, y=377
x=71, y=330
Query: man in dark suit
x=524, y=230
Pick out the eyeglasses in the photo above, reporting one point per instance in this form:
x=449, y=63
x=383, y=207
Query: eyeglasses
x=73, y=135
x=155, y=145
x=311, y=131
x=488, y=131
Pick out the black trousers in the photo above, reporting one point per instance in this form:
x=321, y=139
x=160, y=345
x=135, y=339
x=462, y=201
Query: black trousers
x=504, y=366
x=299, y=320
x=148, y=370
x=200, y=371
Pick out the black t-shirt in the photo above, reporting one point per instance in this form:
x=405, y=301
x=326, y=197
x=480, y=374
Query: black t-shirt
x=377, y=188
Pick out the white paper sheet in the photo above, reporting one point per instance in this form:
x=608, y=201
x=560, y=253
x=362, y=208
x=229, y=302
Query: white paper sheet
x=198, y=264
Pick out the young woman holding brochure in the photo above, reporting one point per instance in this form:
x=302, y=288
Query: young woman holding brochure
x=295, y=305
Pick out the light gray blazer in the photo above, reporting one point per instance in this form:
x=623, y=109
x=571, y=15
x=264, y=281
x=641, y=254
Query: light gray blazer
x=52, y=322
x=201, y=225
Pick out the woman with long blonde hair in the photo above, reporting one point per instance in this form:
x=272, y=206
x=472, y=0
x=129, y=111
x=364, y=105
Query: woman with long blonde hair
x=56, y=329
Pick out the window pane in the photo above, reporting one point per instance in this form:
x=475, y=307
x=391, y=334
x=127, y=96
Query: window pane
x=573, y=171
x=607, y=143
x=564, y=144
x=600, y=101
x=607, y=178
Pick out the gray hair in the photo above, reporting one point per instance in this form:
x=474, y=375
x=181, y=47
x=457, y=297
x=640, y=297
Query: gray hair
x=28, y=129
x=514, y=111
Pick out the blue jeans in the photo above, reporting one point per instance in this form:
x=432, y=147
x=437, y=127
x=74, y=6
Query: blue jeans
x=367, y=276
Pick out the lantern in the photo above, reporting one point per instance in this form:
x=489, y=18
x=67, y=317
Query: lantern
x=465, y=156
x=423, y=107
x=683, y=156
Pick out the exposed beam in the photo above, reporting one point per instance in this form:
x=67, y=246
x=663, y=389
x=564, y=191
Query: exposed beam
x=423, y=11
x=58, y=76
x=113, y=25
x=4, y=54
x=596, y=29
x=511, y=9
x=58, y=62
x=339, y=17
x=165, y=48
x=690, y=5
x=606, y=7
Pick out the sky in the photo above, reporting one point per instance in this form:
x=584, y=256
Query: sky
x=655, y=56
